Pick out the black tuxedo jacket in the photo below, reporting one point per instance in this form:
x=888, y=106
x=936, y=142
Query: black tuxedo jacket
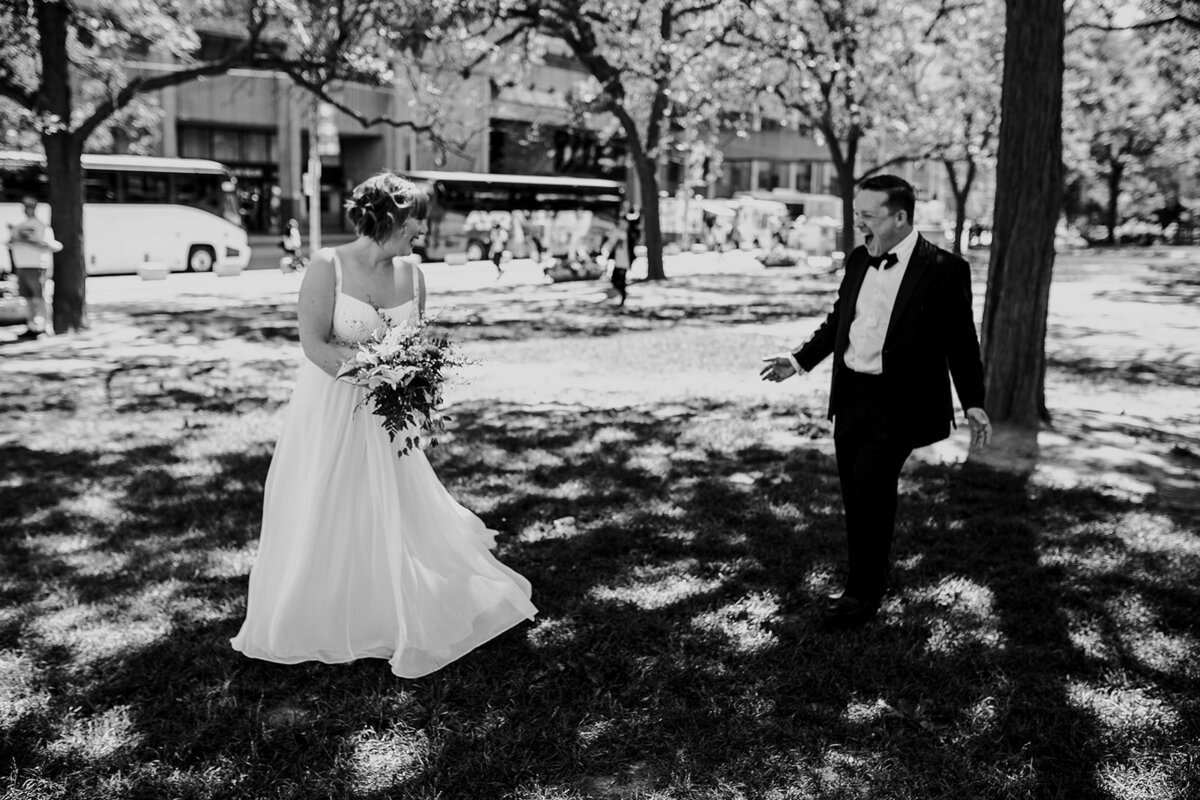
x=930, y=337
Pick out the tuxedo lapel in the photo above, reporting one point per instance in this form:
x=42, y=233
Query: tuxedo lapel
x=914, y=273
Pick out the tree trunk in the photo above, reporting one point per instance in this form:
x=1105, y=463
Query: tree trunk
x=651, y=222
x=844, y=164
x=961, y=193
x=1028, y=202
x=1116, y=171
x=63, y=168
x=66, y=207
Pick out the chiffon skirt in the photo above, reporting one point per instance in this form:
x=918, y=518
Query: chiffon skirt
x=363, y=553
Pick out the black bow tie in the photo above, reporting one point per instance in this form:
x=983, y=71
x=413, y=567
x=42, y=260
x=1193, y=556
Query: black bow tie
x=887, y=260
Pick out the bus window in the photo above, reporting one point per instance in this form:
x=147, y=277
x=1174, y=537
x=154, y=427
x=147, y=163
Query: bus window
x=198, y=191
x=99, y=186
x=18, y=180
x=146, y=188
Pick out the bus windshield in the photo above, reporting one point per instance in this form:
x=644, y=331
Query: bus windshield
x=537, y=214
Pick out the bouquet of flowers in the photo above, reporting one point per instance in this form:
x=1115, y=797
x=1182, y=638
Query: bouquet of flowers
x=402, y=368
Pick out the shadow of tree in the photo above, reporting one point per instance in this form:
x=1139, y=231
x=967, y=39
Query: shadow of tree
x=1022, y=653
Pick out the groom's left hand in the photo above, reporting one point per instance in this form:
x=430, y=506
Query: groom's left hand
x=981, y=428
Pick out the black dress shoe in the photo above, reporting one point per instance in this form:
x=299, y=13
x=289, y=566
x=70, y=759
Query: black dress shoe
x=850, y=612
x=29, y=336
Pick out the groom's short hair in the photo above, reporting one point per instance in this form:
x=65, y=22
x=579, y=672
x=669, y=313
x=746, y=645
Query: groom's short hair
x=900, y=193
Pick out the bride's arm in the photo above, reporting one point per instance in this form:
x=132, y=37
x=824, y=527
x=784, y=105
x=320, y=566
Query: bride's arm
x=315, y=311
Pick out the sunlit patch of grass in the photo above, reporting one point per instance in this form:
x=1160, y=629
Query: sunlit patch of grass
x=1089, y=636
x=572, y=489
x=1142, y=638
x=968, y=615
x=95, y=632
x=1123, y=712
x=860, y=712
x=653, y=458
x=743, y=622
x=1141, y=780
x=227, y=562
x=550, y=632
x=658, y=586
x=95, y=738
x=20, y=694
x=63, y=544
x=385, y=762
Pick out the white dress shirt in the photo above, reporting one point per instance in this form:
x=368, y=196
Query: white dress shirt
x=873, y=311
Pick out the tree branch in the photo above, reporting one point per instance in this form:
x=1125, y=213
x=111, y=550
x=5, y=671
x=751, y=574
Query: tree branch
x=17, y=93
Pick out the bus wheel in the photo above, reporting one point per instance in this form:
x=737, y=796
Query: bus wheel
x=201, y=258
x=475, y=251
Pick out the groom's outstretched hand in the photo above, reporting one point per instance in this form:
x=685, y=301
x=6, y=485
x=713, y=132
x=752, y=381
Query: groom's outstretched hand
x=777, y=368
x=981, y=428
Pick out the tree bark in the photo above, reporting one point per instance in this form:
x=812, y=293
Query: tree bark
x=651, y=219
x=63, y=169
x=844, y=164
x=1116, y=171
x=961, y=193
x=1028, y=202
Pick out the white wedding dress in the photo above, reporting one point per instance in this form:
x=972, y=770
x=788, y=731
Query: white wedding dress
x=363, y=553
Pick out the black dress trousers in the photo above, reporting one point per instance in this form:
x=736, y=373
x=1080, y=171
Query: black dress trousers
x=870, y=455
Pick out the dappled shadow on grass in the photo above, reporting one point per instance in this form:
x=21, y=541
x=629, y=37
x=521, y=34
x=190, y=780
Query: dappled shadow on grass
x=1166, y=282
x=1172, y=367
x=1038, y=642
x=506, y=312
x=247, y=322
x=524, y=312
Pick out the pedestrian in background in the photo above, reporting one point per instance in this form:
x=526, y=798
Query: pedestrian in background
x=633, y=233
x=31, y=245
x=291, y=243
x=615, y=250
x=496, y=241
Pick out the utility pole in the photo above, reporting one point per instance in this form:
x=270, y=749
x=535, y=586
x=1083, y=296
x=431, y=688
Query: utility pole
x=314, y=180
x=323, y=141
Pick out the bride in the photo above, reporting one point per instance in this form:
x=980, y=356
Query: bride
x=363, y=553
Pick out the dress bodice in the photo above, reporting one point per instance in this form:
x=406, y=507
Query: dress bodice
x=356, y=320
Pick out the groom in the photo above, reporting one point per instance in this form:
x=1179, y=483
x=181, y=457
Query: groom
x=901, y=319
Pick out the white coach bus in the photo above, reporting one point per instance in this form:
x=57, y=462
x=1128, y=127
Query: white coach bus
x=180, y=212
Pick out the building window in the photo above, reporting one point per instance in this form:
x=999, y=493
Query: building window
x=772, y=174
x=804, y=176
x=735, y=177
x=526, y=149
x=229, y=145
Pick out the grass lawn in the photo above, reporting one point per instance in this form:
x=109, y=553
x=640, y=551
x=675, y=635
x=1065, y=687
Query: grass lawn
x=1042, y=640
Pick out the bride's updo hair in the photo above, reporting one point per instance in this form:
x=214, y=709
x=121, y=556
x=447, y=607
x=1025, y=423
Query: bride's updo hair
x=383, y=203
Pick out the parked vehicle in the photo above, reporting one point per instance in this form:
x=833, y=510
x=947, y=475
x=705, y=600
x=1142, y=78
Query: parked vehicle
x=179, y=212
x=541, y=216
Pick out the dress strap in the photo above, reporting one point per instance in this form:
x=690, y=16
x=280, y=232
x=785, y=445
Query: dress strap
x=414, y=274
x=337, y=269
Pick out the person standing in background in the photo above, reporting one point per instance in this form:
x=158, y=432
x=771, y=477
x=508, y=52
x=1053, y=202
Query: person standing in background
x=497, y=239
x=633, y=234
x=31, y=245
x=291, y=244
